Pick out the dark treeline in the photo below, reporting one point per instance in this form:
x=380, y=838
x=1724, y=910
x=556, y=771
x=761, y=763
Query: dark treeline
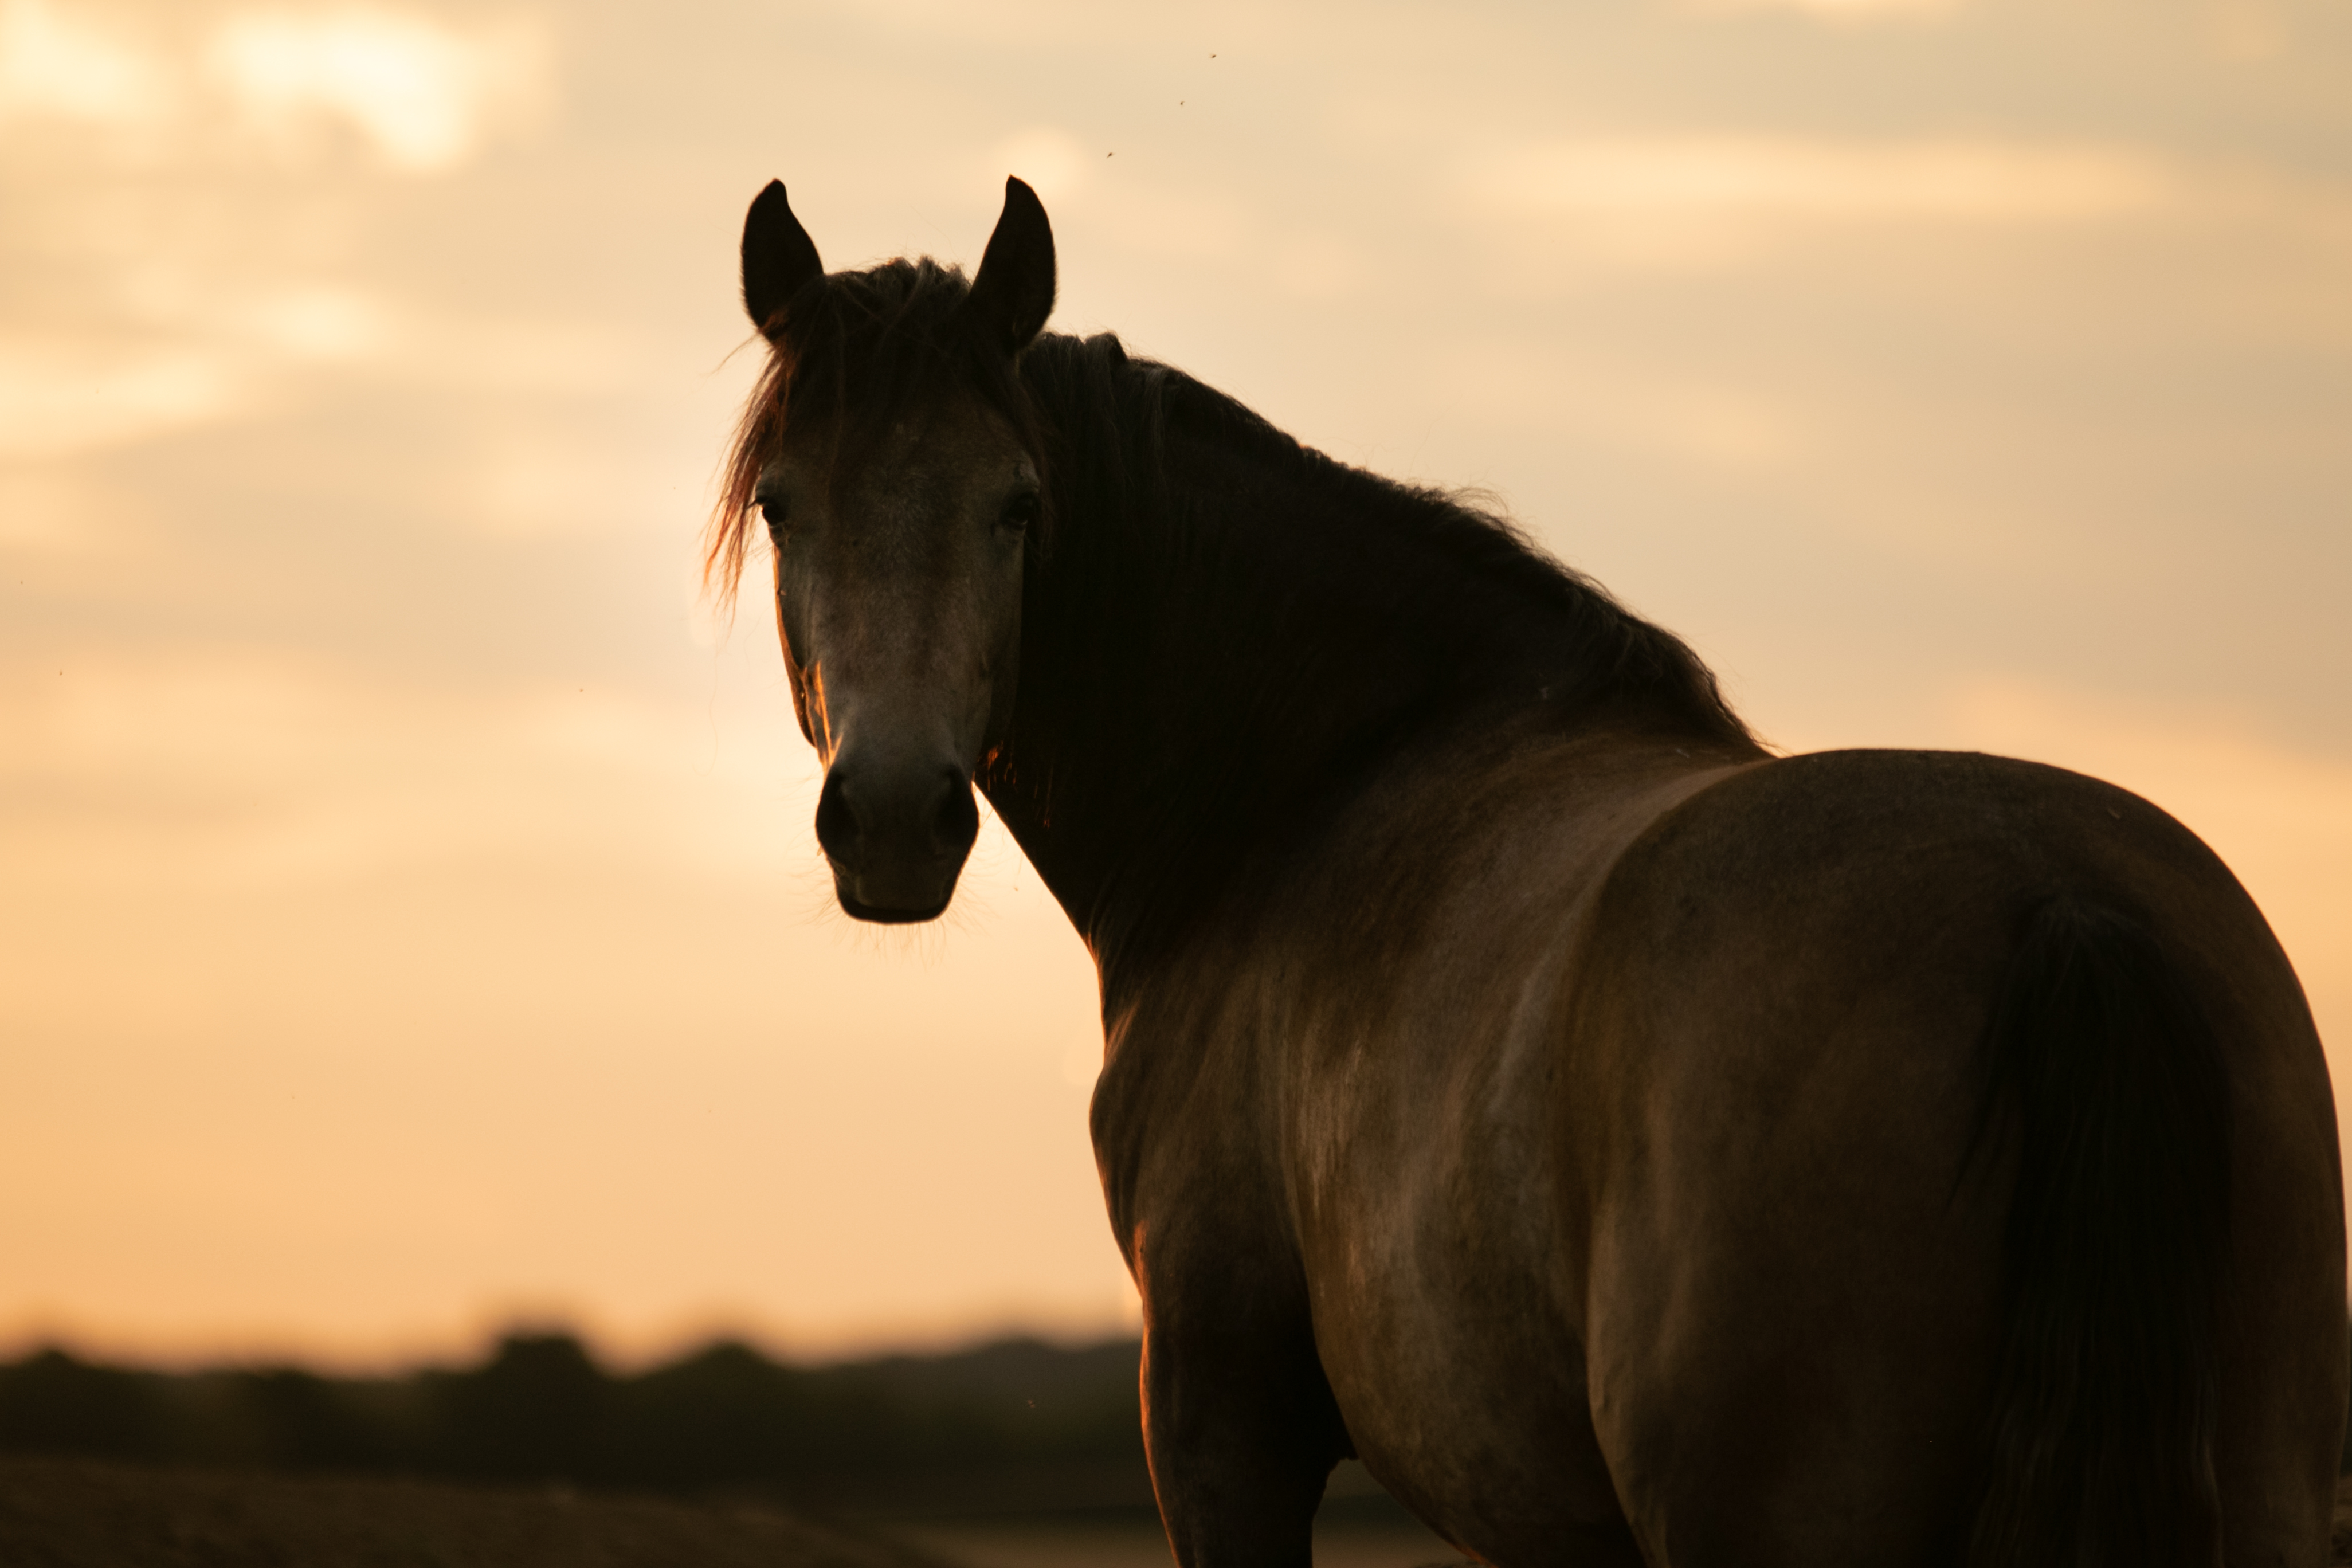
x=1016, y=1426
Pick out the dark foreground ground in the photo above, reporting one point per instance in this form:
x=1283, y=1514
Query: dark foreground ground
x=67, y=1513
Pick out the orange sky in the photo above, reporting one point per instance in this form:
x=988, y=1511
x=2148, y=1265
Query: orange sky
x=409, y=918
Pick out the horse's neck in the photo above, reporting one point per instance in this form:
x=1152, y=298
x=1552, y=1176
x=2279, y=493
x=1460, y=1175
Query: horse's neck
x=1192, y=697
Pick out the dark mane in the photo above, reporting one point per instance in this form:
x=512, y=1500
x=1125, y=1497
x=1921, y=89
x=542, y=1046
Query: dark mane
x=1115, y=425
x=1124, y=437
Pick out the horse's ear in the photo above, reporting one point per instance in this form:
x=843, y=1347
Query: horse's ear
x=778, y=256
x=1014, y=293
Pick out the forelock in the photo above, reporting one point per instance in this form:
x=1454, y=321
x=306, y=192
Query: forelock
x=857, y=351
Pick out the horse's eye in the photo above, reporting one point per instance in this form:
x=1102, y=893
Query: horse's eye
x=1019, y=512
x=776, y=512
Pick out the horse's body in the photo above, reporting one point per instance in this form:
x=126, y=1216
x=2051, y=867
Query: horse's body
x=1634, y=1146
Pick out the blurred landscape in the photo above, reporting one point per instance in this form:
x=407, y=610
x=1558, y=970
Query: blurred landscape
x=1012, y=1453
x=1015, y=1426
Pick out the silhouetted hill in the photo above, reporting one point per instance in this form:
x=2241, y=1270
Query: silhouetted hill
x=1018, y=1425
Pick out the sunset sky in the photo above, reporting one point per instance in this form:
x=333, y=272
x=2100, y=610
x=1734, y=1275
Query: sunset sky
x=409, y=918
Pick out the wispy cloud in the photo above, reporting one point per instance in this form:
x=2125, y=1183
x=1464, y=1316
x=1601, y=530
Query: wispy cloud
x=418, y=92
x=1768, y=177
x=62, y=394
x=420, y=95
x=252, y=769
x=57, y=64
x=56, y=400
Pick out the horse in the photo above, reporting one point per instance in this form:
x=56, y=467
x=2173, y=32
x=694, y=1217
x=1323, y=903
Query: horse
x=1633, y=1145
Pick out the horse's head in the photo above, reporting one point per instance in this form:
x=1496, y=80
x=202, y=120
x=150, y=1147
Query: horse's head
x=891, y=451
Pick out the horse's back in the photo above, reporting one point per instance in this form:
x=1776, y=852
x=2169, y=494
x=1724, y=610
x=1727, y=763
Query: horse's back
x=1791, y=1286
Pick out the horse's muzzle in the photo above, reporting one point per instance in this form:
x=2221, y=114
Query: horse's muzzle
x=896, y=838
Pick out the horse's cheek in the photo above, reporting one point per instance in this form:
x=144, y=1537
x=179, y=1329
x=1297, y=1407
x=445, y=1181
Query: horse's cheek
x=795, y=663
x=796, y=677
x=800, y=703
x=1003, y=686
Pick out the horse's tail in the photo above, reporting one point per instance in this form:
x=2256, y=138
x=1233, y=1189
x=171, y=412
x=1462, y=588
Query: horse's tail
x=2107, y=1082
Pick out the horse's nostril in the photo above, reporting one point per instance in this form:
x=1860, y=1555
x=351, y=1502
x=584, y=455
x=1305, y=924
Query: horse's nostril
x=955, y=821
x=838, y=828
x=859, y=817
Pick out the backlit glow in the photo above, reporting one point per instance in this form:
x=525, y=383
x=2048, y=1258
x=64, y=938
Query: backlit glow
x=54, y=62
x=417, y=90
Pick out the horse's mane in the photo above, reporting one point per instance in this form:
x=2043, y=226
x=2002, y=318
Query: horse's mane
x=1101, y=426
x=1114, y=423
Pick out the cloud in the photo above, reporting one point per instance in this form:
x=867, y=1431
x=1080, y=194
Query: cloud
x=52, y=65
x=1749, y=177
x=418, y=92
x=60, y=397
x=54, y=402
x=316, y=322
x=221, y=769
x=420, y=95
